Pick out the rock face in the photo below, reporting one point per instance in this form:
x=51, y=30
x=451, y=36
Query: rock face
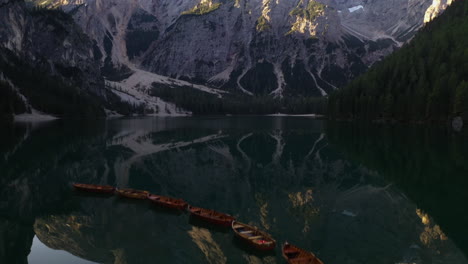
x=49, y=62
x=116, y=50
x=296, y=47
x=435, y=9
x=50, y=41
x=48, y=45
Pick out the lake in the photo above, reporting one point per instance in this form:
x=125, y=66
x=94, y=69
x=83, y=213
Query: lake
x=350, y=193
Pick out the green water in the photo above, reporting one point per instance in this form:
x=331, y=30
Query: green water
x=350, y=193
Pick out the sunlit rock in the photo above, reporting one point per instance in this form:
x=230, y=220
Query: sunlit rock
x=435, y=9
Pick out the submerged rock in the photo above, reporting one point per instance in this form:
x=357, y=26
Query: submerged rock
x=457, y=123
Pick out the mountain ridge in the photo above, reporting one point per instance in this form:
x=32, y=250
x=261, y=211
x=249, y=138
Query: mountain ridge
x=129, y=53
x=425, y=81
x=234, y=42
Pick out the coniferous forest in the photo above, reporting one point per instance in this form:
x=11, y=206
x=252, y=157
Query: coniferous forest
x=45, y=92
x=151, y=131
x=426, y=80
x=201, y=103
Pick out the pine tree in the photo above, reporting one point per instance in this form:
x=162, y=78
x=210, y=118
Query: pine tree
x=461, y=99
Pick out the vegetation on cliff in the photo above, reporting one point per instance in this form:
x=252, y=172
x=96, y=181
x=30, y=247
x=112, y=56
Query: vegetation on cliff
x=202, y=8
x=237, y=103
x=426, y=80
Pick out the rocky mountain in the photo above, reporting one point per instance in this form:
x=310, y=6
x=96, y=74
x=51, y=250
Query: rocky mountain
x=298, y=47
x=49, y=65
x=425, y=81
x=43, y=53
x=47, y=38
x=126, y=56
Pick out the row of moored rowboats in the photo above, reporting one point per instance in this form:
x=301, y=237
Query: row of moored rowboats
x=250, y=234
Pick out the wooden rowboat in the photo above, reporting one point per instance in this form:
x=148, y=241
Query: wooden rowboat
x=94, y=188
x=211, y=216
x=295, y=255
x=258, y=239
x=168, y=202
x=131, y=193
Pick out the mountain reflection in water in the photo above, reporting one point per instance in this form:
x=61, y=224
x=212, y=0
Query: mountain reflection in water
x=296, y=178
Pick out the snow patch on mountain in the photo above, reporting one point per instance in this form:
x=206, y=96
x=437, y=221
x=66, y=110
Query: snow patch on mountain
x=278, y=92
x=34, y=116
x=322, y=91
x=223, y=76
x=355, y=8
x=136, y=91
x=144, y=80
x=335, y=39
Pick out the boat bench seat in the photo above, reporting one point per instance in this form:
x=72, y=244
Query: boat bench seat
x=255, y=237
x=246, y=232
x=238, y=226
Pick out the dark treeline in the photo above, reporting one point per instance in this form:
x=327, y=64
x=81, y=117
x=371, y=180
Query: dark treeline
x=426, y=80
x=200, y=102
x=427, y=162
x=44, y=92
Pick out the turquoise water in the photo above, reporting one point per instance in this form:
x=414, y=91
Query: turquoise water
x=350, y=193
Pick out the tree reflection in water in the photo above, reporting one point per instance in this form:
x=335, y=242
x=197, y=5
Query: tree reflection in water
x=290, y=176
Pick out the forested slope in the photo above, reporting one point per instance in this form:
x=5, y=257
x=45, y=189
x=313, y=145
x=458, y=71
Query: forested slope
x=48, y=64
x=426, y=80
x=29, y=87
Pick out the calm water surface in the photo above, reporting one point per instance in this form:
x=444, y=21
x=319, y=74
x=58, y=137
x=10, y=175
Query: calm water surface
x=350, y=193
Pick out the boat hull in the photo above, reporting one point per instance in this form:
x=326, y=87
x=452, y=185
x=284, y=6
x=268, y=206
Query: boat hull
x=295, y=255
x=93, y=188
x=266, y=243
x=167, y=202
x=263, y=248
x=223, y=223
x=132, y=194
x=220, y=218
